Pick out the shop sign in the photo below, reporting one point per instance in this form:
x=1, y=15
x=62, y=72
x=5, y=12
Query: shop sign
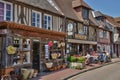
x=106, y=41
x=70, y=29
x=116, y=37
x=82, y=37
x=3, y=31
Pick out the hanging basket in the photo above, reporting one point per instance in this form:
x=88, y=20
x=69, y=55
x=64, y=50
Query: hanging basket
x=11, y=50
x=49, y=65
x=54, y=55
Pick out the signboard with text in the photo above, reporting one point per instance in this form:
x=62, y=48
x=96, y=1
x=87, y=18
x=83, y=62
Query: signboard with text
x=82, y=37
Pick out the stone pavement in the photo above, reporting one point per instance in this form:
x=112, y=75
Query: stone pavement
x=64, y=74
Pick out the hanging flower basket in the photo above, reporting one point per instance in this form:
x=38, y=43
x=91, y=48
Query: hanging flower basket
x=54, y=55
x=11, y=50
x=49, y=64
x=50, y=44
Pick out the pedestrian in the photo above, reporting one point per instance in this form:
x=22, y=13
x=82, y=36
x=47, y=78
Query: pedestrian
x=87, y=57
x=104, y=56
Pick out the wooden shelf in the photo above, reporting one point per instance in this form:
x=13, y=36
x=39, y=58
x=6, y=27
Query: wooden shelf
x=22, y=65
x=56, y=50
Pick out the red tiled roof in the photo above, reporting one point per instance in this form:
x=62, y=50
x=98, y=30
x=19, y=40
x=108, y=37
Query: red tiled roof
x=77, y=3
x=111, y=20
x=117, y=20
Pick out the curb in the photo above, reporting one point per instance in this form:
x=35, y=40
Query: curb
x=66, y=78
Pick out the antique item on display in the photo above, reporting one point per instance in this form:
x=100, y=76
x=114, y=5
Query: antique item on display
x=11, y=50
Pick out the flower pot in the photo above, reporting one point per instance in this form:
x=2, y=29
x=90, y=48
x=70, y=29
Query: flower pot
x=73, y=64
x=49, y=65
x=64, y=66
x=51, y=69
x=59, y=66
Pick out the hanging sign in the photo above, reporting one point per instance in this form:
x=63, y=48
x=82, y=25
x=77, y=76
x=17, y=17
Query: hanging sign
x=46, y=51
x=82, y=37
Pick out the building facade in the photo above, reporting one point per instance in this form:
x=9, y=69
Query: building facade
x=81, y=28
x=104, y=32
x=34, y=23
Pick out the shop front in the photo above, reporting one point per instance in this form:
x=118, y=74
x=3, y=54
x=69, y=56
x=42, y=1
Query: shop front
x=80, y=44
x=117, y=49
x=23, y=46
x=104, y=44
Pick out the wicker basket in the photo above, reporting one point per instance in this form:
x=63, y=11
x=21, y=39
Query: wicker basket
x=49, y=65
x=54, y=55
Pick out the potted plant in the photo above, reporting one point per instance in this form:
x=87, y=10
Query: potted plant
x=69, y=58
x=81, y=61
x=72, y=61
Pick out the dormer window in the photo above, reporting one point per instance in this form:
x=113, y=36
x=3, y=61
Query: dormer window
x=100, y=18
x=85, y=13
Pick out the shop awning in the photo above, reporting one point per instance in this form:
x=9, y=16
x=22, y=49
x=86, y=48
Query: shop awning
x=81, y=41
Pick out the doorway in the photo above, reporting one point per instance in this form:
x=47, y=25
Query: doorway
x=36, y=53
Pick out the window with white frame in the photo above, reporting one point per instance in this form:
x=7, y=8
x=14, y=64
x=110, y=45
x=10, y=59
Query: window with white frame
x=5, y=11
x=101, y=33
x=75, y=27
x=85, y=29
x=105, y=34
x=36, y=19
x=80, y=29
x=47, y=22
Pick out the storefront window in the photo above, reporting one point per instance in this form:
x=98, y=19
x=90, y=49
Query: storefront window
x=73, y=48
x=22, y=55
x=52, y=50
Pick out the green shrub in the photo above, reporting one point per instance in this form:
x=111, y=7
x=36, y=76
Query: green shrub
x=71, y=59
x=78, y=67
x=80, y=59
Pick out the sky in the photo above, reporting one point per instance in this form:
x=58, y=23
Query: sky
x=109, y=7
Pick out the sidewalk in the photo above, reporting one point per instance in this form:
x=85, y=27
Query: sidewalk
x=64, y=74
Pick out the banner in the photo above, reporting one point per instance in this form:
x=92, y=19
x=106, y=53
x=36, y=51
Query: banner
x=46, y=52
